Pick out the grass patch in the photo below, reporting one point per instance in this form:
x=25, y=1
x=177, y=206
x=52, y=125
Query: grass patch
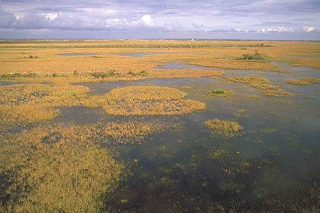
x=142, y=73
x=132, y=131
x=262, y=84
x=70, y=175
x=253, y=57
x=254, y=97
x=18, y=75
x=30, y=103
x=31, y=57
x=304, y=81
x=103, y=74
x=149, y=100
x=224, y=128
x=222, y=93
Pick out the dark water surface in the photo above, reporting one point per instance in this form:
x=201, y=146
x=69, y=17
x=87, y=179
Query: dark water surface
x=274, y=165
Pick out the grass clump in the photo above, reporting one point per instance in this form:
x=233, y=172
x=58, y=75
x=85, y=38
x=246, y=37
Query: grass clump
x=69, y=175
x=149, y=100
x=254, y=97
x=31, y=57
x=225, y=128
x=132, y=131
x=262, y=84
x=253, y=57
x=30, y=103
x=18, y=75
x=304, y=81
x=221, y=93
x=103, y=74
x=142, y=73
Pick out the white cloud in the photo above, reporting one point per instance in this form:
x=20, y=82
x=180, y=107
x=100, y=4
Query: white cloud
x=147, y=20
x=276, y=29
x=308, y=28
x=117, y=23
x=100, y=11
x=239, y=30
x=51, y=16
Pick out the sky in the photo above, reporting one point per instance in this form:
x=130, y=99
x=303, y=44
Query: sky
x=160, y=19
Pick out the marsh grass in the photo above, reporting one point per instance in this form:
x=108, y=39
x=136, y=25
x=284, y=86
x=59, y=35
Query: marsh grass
x=103, y=74
x=262, y=84
x=31, y=57
x=254, y=97
x=68, y=175
x=142, y=73
x=18, y=75
x=222, y=93
x=224, y=128
x=29, y=103
x=132, y=131
x=304, y=81
x=257, y=56
x=33, y=103
x=145, y=100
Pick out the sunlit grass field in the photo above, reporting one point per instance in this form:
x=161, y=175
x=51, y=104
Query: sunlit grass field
x=192, y=126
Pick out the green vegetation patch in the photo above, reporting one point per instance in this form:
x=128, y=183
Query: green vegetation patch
x=221, y=93
x=253, y=57
x=18, y=75
x=103, y=74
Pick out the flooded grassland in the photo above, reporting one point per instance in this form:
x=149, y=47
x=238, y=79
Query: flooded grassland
x=159, y=126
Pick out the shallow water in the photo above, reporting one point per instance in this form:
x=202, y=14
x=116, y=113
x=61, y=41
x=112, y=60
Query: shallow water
x=5, y=83
x=175, y=171
x=181, y=65
x=271, y=165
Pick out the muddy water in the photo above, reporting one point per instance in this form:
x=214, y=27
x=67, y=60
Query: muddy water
x=274, y=163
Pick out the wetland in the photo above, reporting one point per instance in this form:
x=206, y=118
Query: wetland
x=159, y=126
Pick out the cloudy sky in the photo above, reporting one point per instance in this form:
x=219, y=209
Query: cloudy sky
x=205, y=19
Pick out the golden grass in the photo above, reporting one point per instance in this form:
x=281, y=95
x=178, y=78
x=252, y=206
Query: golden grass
x=57, y=169
x=26, y=113
x=46, y=60
x=132, y=131
x=304, y=81
x=22, y=93
x=145, y=100
x=146, y=93
x=225, y=128
x=307, y=62
x=262, y=84
x=29, y=103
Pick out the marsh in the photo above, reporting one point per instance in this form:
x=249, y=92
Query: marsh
x=199, y=131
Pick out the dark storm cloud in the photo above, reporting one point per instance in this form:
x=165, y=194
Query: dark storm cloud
x=171, y=19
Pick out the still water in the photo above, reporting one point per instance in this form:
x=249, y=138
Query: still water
x=274, y=165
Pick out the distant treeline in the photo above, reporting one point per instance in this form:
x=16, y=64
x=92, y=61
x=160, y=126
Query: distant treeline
x=195, y=45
